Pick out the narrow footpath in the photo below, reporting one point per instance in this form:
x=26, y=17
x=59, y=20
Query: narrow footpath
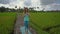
x=19, y=26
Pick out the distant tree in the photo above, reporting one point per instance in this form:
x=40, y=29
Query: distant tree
x=2, y=9
x=43, y=9
x=34, y=7
x=19, y=8
x=7, y=9
x=13, y=9
x=37, y=7
x=15, y=6
x=31, y=8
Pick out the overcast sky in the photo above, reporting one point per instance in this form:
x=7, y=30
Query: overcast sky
x=47, y=4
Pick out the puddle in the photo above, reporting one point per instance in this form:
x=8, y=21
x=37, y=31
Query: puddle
x=22, y=29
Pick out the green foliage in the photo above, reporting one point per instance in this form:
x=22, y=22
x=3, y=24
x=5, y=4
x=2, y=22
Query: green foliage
x=55, y=30
x=7, y=22
x=42, y=20
x=2, y=9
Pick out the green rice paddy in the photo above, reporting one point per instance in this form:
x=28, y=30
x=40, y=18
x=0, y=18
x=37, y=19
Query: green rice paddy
x=7, y=22
x=41, y=21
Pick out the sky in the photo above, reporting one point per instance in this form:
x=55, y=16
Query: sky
x=47, y=4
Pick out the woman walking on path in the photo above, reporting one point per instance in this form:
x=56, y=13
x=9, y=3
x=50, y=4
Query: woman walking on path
x=26, y=19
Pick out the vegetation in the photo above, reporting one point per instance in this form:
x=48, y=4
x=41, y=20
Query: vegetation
x=3, y=9
x=45, y=22
x=7, y=22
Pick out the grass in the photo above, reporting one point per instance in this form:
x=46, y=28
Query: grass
x=55, y=30
x=7, y=22
x=42, y=20
x=39, y=21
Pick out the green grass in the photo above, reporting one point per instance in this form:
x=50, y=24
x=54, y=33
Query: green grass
x=55, y=30
x=7, y=22
x=43, y=20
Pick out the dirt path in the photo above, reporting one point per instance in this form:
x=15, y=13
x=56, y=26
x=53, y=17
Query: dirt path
x=19, y=23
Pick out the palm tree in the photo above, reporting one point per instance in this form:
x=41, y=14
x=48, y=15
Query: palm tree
x=15, y=6
x=37, y=7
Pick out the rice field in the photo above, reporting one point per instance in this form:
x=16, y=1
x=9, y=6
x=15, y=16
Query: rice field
x=7, y=22
x=45, y=22
x=42, y=22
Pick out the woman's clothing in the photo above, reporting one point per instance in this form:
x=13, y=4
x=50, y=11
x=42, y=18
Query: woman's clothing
x=26, y=21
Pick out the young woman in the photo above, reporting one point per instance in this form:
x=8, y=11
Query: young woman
x=26, y=19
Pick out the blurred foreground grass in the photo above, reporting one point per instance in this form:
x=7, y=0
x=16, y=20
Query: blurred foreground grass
x=7, y=22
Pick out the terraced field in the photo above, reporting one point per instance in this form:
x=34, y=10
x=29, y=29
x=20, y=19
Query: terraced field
x=45, y=22
x=7, y=22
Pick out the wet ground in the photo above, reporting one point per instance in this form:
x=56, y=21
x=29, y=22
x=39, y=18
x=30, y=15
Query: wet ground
x=19, y=26
x=22, y=29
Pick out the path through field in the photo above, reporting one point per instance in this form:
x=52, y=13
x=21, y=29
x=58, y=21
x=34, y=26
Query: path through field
x=19, y=26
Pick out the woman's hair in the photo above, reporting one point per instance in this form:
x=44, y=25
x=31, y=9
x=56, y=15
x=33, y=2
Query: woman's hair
x=25, y=10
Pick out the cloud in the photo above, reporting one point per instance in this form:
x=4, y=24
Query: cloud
x=27, y=2
x=35, y=3
x=53, y=6
x=57, y=1
x=46, y=2
x=4, y=1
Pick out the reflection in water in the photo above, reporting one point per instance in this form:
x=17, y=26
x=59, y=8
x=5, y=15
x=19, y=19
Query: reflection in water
x=22, y=29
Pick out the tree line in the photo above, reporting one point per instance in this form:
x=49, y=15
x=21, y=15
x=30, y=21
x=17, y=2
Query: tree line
x=3, y=9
